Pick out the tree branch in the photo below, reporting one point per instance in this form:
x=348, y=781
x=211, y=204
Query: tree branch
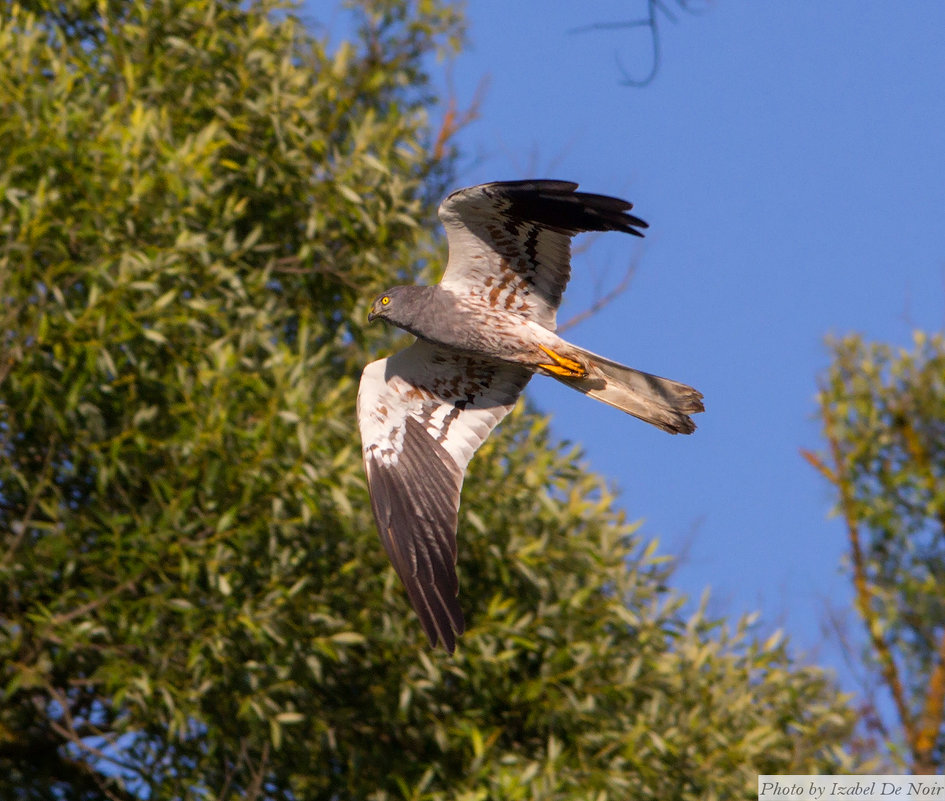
x=258, y=775
x=455, y=120
x=107, y=785
x=24, y=522
x=651, y=21
x=932, y=717
x=94, y=604
x=933, y=710
x=603, y=300
x=839, y=478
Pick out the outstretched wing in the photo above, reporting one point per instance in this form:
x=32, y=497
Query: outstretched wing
x=423, y=412
x=510, y=241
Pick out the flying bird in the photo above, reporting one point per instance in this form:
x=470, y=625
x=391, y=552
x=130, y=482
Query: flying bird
x=482, y=332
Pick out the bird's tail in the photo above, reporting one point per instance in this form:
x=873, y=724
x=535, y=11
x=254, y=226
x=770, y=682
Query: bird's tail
x=660, y=401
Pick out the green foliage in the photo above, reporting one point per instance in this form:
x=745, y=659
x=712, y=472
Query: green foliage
x=197, y=200
x=884, y=418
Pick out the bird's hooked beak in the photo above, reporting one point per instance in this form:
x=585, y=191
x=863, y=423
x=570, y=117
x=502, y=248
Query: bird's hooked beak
x=377, y=306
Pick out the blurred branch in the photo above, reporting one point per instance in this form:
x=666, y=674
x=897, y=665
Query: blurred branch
x=652, y=21
x=871, y=722
x=603, y=300
x=40, y=487
x=92, y=605
x=838, y=477
x=255, y=788
x=932, y=717
x=923, y=459
x=933, y=710
x=106, y=784
x=454, y=120
x=257, y=773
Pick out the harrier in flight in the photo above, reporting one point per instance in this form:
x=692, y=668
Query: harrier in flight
x=482, y=332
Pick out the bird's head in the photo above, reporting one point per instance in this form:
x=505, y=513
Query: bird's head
x=390, y=304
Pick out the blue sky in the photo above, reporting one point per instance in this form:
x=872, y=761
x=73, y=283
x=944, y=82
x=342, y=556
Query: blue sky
x=790, y=159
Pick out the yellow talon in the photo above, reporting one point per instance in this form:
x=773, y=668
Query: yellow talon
x=563, y=366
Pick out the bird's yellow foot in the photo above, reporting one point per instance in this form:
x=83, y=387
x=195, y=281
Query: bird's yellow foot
x=563, y=366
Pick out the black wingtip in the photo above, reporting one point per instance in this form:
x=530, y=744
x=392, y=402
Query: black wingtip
x=557, y=204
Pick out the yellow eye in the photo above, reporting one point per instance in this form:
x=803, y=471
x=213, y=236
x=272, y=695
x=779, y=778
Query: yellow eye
x=385, y=300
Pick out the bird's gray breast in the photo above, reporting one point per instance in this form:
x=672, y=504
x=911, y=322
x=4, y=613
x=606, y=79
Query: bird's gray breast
x=468, y=324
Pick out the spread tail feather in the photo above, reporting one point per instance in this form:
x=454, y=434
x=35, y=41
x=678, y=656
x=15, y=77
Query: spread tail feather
x=660, y=401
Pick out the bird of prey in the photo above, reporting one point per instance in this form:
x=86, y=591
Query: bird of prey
x=482, y=332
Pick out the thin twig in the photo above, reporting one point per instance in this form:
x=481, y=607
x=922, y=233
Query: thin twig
x=653, y=10
x=603, y=300
x=841, y=481
x=69, y=732
x=869, y=712
x=455, y=120
x=33, y=501
x=255, y=787
x=94, y=604
x=932, y=717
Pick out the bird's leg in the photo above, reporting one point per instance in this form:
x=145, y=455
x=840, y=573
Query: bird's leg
x=562, y=365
